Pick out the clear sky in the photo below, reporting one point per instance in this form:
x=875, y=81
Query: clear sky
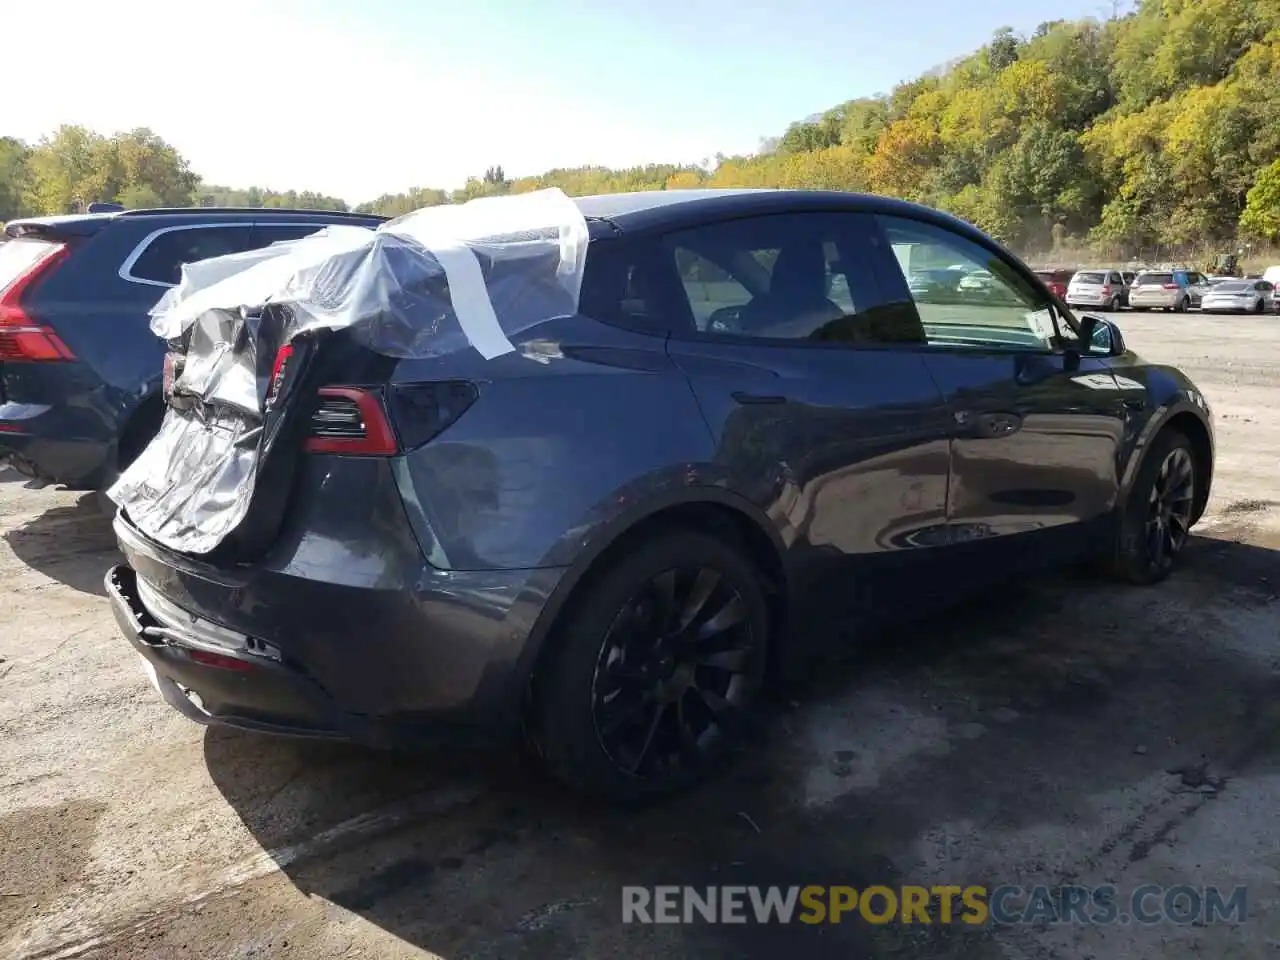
x=356, y=98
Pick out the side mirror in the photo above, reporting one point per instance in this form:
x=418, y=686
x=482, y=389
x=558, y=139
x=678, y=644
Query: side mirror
x=1100, y=337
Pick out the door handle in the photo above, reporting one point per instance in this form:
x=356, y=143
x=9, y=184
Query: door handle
x=757, y=398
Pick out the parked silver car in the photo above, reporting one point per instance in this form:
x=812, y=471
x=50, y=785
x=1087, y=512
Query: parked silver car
x=1098, y=288
x=1241, y=296
x=1168, y=290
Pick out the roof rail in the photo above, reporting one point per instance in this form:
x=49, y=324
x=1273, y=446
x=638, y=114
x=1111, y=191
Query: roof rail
x=179, y=211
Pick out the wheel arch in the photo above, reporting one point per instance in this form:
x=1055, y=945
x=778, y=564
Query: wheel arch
x=1188, y=419
x=712, y=510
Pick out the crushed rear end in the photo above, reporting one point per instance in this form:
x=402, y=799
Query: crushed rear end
x=273, y=578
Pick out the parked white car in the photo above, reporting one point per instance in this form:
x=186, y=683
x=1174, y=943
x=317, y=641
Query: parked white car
x=1102, y=288
x=1177, y=290
x=1240, y=296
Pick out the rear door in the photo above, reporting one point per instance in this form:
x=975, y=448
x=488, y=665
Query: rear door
x=817, y=415
x=1034, y=442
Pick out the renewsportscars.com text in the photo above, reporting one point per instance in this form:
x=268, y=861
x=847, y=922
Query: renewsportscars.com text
x=969, y=905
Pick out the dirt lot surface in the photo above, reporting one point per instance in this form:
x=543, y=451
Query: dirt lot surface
x=1025, y=739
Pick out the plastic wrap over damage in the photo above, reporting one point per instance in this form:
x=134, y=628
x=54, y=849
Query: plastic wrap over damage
x=433, y=282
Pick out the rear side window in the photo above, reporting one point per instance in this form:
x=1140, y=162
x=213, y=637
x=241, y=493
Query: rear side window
x=618, y=286
x=19, y=256
x=160, y=258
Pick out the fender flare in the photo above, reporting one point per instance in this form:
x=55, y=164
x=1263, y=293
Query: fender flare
x=612, y=532
x=1176, y=406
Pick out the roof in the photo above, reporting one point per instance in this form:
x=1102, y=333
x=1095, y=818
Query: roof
x=87, y=224
x=667, y=209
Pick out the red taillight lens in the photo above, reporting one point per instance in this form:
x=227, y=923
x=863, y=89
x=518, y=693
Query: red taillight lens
x=350, y=421
x=221, y=661
x=1106, y=290
x=1169, y=286
x=277, y=369
x=21, y=336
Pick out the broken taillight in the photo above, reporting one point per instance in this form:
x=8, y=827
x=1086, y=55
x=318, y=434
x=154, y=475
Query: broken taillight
x=277, y=369
x=349, y=420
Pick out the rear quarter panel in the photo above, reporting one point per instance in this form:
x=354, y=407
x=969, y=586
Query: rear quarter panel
x=581, y=425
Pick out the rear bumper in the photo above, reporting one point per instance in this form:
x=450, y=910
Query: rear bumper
x=40, y=443
x=211, y=684
x=1165, y=299
x=1093, y=300
x=441, y=657
x=1215, y=305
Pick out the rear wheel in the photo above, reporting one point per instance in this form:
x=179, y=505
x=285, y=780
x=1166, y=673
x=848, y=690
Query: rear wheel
x=660, y=666
x=1183, y=305
x=1114, y=305
x=1157, y=519
x=1257, y=305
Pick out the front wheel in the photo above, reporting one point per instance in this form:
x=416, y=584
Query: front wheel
x=1156, y=521
x=660, y=665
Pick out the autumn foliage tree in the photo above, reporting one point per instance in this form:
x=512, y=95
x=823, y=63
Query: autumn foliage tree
x=1157, y=129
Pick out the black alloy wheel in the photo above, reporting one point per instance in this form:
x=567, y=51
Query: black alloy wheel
x=658, y=669
x=1157, y=522
x=672, y=673
x=1169, y=507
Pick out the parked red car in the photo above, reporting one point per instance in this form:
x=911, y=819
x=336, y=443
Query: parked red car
x=1056, y=280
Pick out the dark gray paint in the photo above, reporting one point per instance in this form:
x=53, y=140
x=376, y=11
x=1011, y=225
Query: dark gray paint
x=424, y=587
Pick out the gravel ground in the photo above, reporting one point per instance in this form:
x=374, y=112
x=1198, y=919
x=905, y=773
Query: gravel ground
x=1024, y=739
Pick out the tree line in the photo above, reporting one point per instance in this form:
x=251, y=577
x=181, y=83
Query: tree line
x=1157, y=130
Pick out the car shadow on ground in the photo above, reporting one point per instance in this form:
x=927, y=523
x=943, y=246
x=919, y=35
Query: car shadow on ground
x=1011, y=715
x=10, y=475
x=72, y=544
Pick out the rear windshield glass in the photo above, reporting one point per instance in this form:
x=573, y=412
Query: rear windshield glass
x=1236, y=286
x=1148, y=278
x=1091, y=277
x=19, y=256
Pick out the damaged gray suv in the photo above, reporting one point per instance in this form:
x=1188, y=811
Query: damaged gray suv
x=600, y=470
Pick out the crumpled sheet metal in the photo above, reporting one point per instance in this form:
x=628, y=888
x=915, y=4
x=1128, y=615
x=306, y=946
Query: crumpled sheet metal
x=433, y=282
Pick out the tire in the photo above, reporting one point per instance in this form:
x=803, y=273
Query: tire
x=1183, y=305
x=1146, y=552
x=1257, y=306
x=1114, y=305
x=624, y=744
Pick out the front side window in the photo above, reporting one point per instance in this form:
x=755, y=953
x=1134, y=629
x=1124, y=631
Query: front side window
x=160, y=261
x=991, y=304
x=785, y=278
